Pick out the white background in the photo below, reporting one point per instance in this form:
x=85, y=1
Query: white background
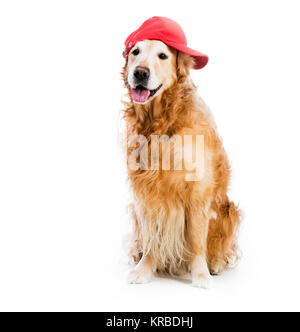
x=63, y=191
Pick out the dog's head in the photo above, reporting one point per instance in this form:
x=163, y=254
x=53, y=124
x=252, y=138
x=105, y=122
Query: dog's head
x=152, y=67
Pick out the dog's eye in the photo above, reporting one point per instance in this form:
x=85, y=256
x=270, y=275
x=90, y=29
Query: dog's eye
x=163, y=56
x=135, y=52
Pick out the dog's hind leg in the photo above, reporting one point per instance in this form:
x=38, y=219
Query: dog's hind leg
x=222, y=249
x=197, y=227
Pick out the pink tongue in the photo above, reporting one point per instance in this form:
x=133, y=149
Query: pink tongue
x=139, y=95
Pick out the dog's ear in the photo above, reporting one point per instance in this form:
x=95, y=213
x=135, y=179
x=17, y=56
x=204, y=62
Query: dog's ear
x=124, y=72
x=184, y=63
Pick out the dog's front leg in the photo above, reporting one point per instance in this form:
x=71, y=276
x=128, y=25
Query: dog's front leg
x=197, y=229
x=200, y=273
x=143, y=272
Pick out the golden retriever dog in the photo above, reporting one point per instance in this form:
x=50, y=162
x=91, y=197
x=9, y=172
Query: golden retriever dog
x=183, y=221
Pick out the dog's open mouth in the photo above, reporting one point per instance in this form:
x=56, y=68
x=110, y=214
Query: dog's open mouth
x=140, y=94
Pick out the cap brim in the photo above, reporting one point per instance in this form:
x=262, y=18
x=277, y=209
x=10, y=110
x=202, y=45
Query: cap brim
x=201, y=59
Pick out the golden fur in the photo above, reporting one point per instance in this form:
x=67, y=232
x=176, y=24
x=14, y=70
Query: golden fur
x=176, y=221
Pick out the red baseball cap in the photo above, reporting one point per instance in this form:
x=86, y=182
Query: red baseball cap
x=167, y=31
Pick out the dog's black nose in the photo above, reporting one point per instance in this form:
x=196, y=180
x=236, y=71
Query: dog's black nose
x=141, y=73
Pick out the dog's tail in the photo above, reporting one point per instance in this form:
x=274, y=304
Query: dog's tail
x=222, y=248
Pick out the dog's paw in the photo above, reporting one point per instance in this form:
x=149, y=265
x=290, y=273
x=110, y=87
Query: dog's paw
x=203, y=281
x=139, y=276
x=217, y=268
